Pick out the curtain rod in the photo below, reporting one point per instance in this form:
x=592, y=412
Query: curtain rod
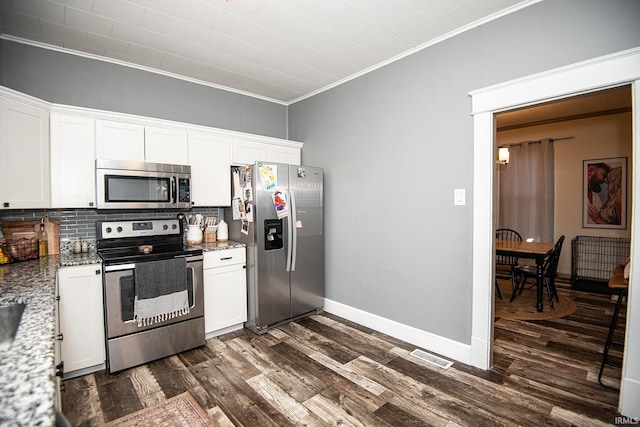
x=520, y=144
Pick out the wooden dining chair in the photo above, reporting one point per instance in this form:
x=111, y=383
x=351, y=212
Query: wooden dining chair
x=549, y=273
x=510, y=261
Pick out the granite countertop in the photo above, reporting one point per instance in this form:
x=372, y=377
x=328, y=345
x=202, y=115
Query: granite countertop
x=27, y=369
x=218, y=246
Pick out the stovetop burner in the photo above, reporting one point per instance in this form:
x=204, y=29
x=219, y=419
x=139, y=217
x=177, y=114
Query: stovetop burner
x=120, y=241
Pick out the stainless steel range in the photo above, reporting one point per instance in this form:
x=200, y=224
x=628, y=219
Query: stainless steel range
x=153, y=292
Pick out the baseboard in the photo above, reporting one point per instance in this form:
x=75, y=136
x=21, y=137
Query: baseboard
x=223, y=331
x=425, y=340
x=629, y=399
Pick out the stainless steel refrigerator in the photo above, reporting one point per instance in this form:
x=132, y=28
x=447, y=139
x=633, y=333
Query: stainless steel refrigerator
x=277, y=211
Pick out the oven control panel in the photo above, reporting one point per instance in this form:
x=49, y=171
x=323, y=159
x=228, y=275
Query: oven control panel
x=138, y=228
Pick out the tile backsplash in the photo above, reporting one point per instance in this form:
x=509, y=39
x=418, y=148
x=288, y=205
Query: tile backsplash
x=80, y=224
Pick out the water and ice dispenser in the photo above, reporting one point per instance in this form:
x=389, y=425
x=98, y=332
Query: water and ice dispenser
x=273, y=238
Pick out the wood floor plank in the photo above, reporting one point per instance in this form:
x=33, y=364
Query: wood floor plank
x=175, y=378
x=280, y=399
x=147, y=388
x=321, y=344
x=361, y=344
x=337, y=385
x=82, y=403
x=324, y=370
x=348, y=373
x=560, y=380
x=493, y=386
x=441, y=394
x=237, y=399
x=219, y=418
x=118, y=398
x=297, y=382
x=344, y=412
x=563, y=399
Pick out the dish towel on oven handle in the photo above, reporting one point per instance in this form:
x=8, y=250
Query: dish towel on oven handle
x=160, y=291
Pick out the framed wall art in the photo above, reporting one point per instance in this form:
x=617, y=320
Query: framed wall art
x=605, y=193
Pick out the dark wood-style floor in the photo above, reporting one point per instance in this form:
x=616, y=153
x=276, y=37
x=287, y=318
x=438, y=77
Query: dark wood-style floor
x=325, y=370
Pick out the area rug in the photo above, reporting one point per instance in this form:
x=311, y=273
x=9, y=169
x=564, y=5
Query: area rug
x=179, y=411
x=523, y=306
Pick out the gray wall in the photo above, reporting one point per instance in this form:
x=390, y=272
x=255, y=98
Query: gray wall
x=72, y=80
x=395, y=143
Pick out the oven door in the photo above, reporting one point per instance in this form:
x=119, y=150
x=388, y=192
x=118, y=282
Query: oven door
x=119, y=296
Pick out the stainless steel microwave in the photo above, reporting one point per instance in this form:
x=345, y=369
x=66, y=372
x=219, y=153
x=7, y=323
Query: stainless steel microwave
x=141, y=185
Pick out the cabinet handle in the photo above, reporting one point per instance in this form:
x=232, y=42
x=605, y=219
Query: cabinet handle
x=5, y=204
x=226, y=259
x=98, y=271
x=91, y=204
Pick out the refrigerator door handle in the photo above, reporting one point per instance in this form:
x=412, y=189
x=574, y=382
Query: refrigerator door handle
x=294, y=229
x=289, y=237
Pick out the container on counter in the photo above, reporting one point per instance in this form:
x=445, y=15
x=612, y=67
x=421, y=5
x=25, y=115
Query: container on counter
x=223, y=231
x=194, y=235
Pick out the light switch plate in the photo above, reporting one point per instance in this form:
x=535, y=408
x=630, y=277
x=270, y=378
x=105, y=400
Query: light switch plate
x=459, y=196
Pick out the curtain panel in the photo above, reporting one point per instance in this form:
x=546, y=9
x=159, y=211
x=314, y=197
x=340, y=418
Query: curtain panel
x=526, y=191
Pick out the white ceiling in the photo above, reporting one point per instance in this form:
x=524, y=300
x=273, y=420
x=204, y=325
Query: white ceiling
x=280, y=50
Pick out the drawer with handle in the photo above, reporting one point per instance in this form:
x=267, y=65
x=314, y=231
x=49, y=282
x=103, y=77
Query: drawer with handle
x=213, y=259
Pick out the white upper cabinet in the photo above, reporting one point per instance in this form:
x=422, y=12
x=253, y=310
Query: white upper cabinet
x=73, y=154
x=116, y=140
x=48, y=152
x=162, y=145
x=281, y=154
x=119, y=140
x=24, y=155
x=210, y=159
x=248, y=152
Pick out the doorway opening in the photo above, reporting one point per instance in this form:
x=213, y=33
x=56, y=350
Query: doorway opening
x=596, y=125
x=594, y=74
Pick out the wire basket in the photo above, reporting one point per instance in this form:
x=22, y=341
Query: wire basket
x=20, y=250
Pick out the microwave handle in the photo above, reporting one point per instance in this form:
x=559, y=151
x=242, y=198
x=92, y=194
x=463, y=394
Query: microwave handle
x=173, y=190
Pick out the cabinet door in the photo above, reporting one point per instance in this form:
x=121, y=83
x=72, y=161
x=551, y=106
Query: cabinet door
x=73, y=170
x=288, y=155
x=225, y=297
x=247, y=152
x=81, y=316
x=210, y=160
x=119, y=140
x=165, y=146
x=24, y=155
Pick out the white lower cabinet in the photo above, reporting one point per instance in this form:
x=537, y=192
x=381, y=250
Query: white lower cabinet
x=82, y=345
x=225, y=291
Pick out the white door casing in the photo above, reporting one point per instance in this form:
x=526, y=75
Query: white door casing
x=599, y=73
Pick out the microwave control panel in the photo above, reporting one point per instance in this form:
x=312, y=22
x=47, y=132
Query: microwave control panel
x=184, y=190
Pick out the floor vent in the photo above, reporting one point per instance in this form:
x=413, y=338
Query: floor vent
x=427, y=357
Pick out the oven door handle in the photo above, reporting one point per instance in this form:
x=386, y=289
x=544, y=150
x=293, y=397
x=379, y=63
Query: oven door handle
x=119, y=267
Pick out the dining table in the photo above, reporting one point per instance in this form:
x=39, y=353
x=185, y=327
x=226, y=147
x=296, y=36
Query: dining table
x=537, y=251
